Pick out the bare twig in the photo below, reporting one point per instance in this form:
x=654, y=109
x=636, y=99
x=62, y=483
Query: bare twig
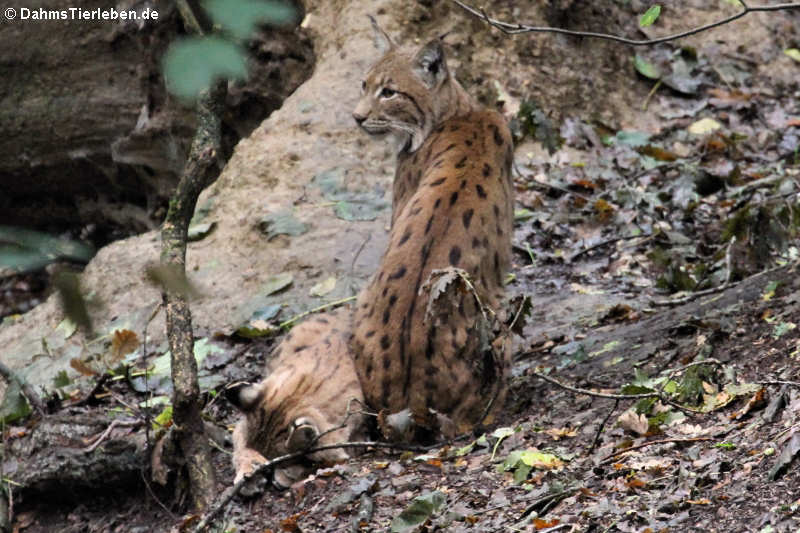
x=660, y=394
x=650, y=94
x=713, y=290
x=515, y=28
x=652, y=443
x=779, y=382
x=107, y=432
x=154, y=496
x=602, y=426
x=606, y=243
x=233, y=490
x=596, y=394
x=292, y=320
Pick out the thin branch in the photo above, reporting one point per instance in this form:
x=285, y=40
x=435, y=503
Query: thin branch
x=596, y=394
x=713, y=290
x=660, y=394
x=652, y=443
x=107, y=432
x=232, y=491
x=607, y=242
x=602, y=426
x=317, y=309
x=515, y=28
x=779, y=382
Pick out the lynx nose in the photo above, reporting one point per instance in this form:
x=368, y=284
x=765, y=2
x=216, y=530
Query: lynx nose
x=359, y=118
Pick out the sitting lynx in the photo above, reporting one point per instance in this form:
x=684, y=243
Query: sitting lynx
x=452, y=207
x=309, y=387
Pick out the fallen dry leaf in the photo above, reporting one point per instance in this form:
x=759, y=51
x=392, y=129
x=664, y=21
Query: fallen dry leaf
x=633, y=423
x=559, y=433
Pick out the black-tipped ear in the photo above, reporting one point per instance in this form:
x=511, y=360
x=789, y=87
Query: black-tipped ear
x=382, y=40
x=242, y=395
x=430, y=65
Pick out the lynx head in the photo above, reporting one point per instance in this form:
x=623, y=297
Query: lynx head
x=408, y=93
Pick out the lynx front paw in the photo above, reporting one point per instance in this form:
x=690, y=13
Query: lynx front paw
x=245, y=462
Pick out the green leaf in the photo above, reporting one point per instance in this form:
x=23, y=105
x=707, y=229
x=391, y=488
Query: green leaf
x=277, y=283
x=363, y=207
x=769, y=290
x=650, y=16
x=636, y=389
x=464, y=450
x=155, y=400
x=15, y=406
x=420, y=509
x=192, y=64
x=200, y=231
x=348, y=204
x=522, y=214
x=782, y=328
x=25, y=250
x=68, y=327
x=240, y=17
x=632, y=138
x=794, y=53
x=645, y=68
x=163, y=419
x=500, y=434
x=323, y=287
x=540, y=460
x=281, y=223
x=521, y=472
x=61, y=379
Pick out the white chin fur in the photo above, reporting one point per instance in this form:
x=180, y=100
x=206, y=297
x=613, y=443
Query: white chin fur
x=399, y=140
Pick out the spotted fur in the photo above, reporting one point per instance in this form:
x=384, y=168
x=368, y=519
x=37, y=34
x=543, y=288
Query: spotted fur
x=452, y=207
x=310, y=384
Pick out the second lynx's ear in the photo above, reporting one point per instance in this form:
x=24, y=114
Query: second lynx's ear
x=382, y=40
x=430, y=64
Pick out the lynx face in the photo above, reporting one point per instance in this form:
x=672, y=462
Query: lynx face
x=406, y=93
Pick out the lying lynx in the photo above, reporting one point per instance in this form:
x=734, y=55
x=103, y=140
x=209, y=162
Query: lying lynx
x=309, y=387
x=452, y=207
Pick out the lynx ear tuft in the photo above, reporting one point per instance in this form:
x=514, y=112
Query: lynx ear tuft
x=430, y=65
x=382, y=40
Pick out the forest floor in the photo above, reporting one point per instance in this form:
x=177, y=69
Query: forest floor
x=644, y=254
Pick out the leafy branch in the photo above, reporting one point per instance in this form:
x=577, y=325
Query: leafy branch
x=513, y=28
x=660, y=394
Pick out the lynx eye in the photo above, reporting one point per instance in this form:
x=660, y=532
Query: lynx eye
x=387, y=92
